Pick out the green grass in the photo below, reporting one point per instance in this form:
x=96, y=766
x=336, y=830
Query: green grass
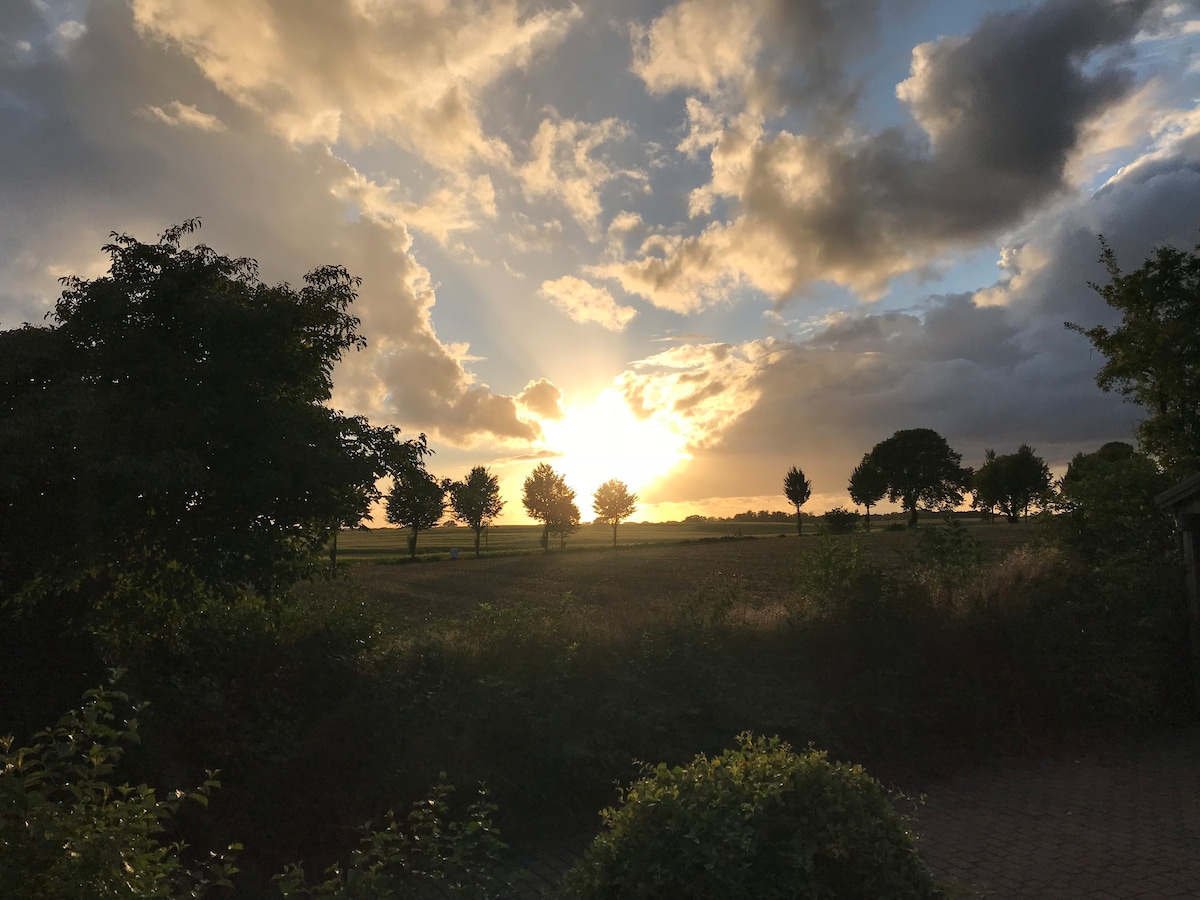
x=375, y=544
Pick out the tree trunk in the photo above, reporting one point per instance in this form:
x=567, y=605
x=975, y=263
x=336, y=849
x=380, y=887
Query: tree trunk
x=412, y=544
x=868, y=505
x=614, y=534
x=912, y=517
x=477, y=530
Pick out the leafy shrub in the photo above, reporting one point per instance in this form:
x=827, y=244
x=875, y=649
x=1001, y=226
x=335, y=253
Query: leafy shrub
x=756, y=822
x=460, y=856
x=67, y=832
x=946, y=559
x=835, y=582
x=840, y=520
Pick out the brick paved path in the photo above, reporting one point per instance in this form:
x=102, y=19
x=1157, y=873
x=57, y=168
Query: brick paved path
x=1117, y=822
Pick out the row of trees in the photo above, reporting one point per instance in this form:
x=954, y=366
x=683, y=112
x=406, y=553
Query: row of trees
x=917, y=468
x=418, y=501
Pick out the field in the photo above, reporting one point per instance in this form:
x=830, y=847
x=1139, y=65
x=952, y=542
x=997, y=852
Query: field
x=652, y=567
x=384, y=543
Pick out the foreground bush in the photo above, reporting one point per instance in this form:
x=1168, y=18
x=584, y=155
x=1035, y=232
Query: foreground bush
x=67, y=832
x=756, y=822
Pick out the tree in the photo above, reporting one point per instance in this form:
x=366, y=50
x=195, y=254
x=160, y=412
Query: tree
x=416, y=500
x=1154, y=354
x=920, y=469
x=172, y=415
x=548, y=499
x=612, y=502
x=1108, y=508
x=1013, y=482
x=476, y=500
x=868, y=484
x=798, y=489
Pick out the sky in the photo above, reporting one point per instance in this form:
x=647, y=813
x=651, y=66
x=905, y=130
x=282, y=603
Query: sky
x=687, y=245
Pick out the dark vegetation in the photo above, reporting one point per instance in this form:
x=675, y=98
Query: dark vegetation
x=282, y=715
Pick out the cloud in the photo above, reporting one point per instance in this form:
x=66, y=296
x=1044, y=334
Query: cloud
x=992, y=368
x=698, y=44
x=543, y=399
x=353, y=72
x=584, y=302
x=564, y=164
x=1001, y=113
x=80, y=160
x=183, y=115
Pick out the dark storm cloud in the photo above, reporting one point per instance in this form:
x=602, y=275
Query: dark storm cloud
x=1001, y=112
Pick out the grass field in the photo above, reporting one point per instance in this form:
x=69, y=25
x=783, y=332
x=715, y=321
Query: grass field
x=382, y=543
x=652, y=566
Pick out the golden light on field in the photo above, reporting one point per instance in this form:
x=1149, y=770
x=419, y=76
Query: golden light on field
x=604, y=439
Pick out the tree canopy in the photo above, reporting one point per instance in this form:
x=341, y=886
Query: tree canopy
x=174, y=410
x=1154, y=354
x=1012, y=482
x=613, y=503
x=920, y=469
x=416, y=501
x=476, y=500
x=1109, y=513
x=547, y=498
x=797, y=489
x=868, y=484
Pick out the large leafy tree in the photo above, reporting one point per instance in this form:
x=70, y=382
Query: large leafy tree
x=613, y=503
x=173, y=413
x=476, y=500
x=547, y=499
x=1012, y=482
x=797, y=489
x=416, y=501
x=920, y=469
x=1108, y=509
x=868, y=485
x=1154, y=354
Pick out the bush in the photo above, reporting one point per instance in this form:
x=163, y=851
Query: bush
x=840, y=520
x=756, y=822
x=67, y=832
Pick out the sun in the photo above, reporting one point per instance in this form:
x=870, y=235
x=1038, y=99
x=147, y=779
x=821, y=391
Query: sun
x=604, y=439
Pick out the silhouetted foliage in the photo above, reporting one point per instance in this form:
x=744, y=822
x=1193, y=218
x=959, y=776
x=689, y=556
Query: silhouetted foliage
x=172, y=415
x=1154, y=354
x=416, y=501
x=920, y=469
x=798, y=489
x=548, y=499
x=1109, y=513
x=476, y=500
x=1013, y=482
x=840, y=520
x=868, y=485
x=613, y=503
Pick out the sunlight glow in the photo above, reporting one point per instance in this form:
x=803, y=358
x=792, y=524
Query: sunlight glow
x=604, y=439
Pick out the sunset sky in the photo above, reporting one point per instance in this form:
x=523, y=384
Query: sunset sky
x=687, y=245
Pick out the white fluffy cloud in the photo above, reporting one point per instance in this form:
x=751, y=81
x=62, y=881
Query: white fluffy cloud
x=584, y=302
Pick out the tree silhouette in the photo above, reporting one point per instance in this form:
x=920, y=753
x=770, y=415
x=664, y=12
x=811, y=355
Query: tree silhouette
x=476, y=500
x=1013, y=482
x=416, y=500
x=176, y=408
x=1154, y=354
x=547, y=498
x=798, y=489
x=921, y=469
x=612, y=502
x=868, y=485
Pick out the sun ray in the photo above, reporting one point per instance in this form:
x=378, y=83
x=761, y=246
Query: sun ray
x=603, y=439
